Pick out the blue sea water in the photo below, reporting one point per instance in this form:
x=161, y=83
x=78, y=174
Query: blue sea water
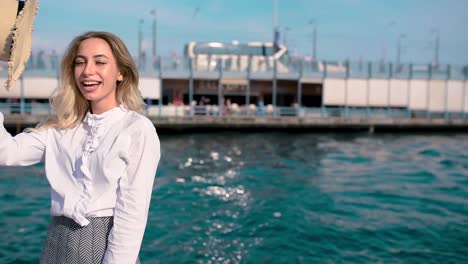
x=281, y=198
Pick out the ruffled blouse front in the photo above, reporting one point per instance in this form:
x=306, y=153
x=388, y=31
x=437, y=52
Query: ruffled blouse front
x=96, y=127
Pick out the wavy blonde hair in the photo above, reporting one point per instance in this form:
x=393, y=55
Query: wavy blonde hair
x=70, y=105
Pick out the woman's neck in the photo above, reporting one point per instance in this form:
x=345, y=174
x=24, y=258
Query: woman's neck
x=99, y=109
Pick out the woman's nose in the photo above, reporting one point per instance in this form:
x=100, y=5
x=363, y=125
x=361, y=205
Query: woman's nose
x=89, y=68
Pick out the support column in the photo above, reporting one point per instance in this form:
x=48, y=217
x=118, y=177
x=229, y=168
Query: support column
x=247, y=90
x=220, y=88
x=464, y=98
x=464, y=93
x=299, y=91
x=446, y=114
x=346, y=88
x=428, y=94
x=190, y=87
x=408, y=97
x=389, y=87
x=369, y=77
x=273, y=99
x=161, y=88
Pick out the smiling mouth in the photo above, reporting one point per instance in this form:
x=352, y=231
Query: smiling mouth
x=90, y=86
x=90, y=83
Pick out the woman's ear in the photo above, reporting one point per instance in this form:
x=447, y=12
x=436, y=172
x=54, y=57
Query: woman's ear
x=120, y=77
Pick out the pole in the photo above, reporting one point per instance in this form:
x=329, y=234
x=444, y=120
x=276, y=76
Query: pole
x=346, y=113
x=275, y=14
x=369, y=76
x=398, y=59
x=161, y=90
x=464, y=96
x=389, y=88
x=140, y=41
x=408, y=97
x=299, y=91
x=190, y=99
x=274, y=92
x=314, y=52
x=313, y=23
x=276, y=40
x=398, y=51
x=447, y=79
x=428, y=95
x=220, y=89
x=153, y=12
x=436, y=52
x=247, y=90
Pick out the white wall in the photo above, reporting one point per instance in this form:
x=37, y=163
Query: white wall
x=418, y=94
x=150, y=88
x=437, y=96
x=333, y=92
x=378, y=92
x=357, y=92
x=455, y=96
x=399, y=93
x=434, y=95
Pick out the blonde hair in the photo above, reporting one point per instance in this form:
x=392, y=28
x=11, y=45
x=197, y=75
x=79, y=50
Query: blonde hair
x=70, y=105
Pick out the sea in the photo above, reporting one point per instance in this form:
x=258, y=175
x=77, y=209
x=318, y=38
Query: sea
x=233, y=197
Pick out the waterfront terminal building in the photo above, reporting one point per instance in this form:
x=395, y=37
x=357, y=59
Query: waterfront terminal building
x=236, y=81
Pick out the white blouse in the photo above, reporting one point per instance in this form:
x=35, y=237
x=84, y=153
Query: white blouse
x=104, y=167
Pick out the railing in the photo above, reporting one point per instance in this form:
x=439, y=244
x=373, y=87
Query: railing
x=298, y=67
x=43, y=109
x=23, y=108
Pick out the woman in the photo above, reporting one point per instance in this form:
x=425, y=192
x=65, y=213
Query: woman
x=100, y=155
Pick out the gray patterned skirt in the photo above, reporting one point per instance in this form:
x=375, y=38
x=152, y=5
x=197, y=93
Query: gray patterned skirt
x=67, y=242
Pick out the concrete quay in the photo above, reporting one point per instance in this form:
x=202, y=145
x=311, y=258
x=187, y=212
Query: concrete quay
x=187, y=124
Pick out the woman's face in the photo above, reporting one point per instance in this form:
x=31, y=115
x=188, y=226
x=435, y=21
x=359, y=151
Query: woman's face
x=96, y=74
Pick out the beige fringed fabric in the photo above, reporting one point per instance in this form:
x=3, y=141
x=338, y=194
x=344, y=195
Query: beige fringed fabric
x=17, y=40
x=21, y=48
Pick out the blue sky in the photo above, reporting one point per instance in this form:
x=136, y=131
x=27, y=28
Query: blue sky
x=346, y=29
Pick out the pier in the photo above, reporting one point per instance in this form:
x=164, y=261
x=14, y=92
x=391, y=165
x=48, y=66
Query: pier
x=16, y=123
x=214, y=90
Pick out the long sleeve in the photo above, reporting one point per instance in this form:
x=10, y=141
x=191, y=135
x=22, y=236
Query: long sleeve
x=23, y=149
x=134, y=195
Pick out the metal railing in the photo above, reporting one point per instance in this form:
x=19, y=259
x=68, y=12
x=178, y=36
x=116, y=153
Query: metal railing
x=44, y=109
x=298, y=67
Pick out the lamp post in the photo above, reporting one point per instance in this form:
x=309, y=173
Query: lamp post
x=276, y=33
x=436, y=33
x=154, y=14
x=386, y=30
x=313, y=22
x=398, y=54
x=140, y=41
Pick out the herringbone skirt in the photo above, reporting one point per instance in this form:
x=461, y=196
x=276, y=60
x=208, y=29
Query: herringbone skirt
x=69, y=243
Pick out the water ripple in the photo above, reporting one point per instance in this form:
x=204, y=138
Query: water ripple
x=280, y=198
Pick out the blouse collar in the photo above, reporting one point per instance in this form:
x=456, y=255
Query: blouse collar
x=95, y=120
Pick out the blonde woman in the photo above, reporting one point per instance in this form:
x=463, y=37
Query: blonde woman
x=100, y=155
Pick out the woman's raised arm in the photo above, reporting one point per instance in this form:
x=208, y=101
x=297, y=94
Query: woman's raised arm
x=24, y=149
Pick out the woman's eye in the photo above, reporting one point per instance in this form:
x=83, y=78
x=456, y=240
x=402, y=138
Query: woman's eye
x=100, y=62
x=79, y=62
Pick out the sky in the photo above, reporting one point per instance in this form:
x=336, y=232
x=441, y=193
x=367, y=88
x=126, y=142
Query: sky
x=366, y=30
